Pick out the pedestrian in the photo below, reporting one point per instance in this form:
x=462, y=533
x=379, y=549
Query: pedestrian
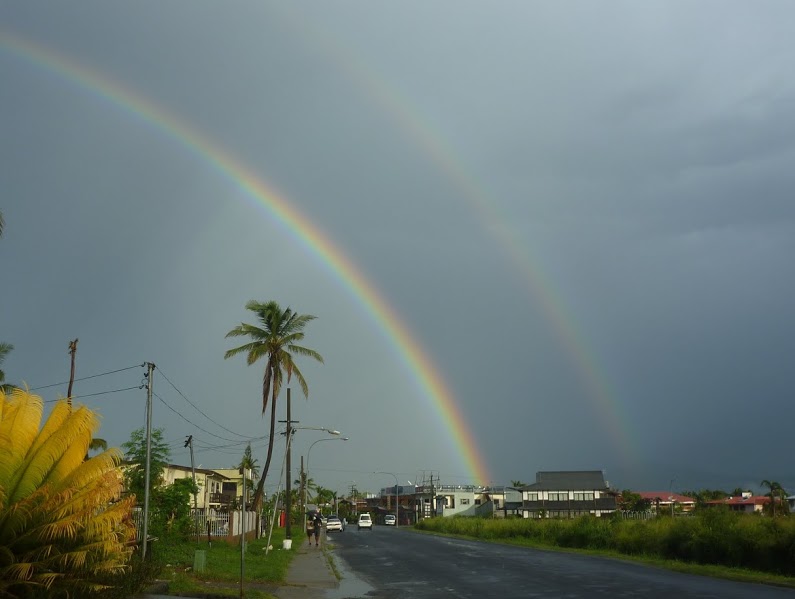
x=318, y=522
x=310, y=528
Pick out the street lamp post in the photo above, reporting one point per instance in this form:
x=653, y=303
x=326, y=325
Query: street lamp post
x=309, y=451
x=397, y=498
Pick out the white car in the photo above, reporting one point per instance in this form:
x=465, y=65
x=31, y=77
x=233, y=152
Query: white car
x=365, y=522
x=333, y=523
x=389, y=520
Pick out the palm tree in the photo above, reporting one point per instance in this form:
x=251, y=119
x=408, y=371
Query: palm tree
x=63, y=526
x=275, y=339
x=5, y=348
x=775, y=490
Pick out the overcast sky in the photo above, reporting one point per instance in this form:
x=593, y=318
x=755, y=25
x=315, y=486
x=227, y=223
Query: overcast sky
x=581, y=212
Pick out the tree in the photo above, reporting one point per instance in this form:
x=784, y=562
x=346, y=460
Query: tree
x=518, y=484
x=63, y=525
x=248, y=463
x=776, y=493
x=5, y=349
x=276, y=341
x=135, y=456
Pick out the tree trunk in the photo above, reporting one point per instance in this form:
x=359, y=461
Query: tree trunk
x=259, y=493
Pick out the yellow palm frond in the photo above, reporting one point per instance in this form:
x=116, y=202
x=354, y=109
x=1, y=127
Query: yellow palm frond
x=61, y=522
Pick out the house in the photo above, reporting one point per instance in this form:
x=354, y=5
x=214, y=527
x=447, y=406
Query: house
x=211, y=493
x=233, y=485
x=568, y=494
x=665, y=501
x=746, y=503
x=791, y=501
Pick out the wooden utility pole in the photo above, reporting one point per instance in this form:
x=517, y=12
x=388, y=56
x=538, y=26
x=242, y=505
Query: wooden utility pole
x=72, y=351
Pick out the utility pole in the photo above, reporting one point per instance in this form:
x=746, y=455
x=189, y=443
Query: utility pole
x=302, y=496
x=147, y=468
x=189, y=442
x=287, y=491
x=72, y=352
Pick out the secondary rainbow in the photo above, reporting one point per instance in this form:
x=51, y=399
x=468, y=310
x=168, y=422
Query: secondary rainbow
x=432, y=144
x=416, y=360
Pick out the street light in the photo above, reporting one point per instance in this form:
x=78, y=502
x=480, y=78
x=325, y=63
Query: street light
x=397, y=498
x=309, y=451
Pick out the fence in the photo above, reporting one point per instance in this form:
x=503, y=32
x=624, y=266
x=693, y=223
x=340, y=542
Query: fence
x=217, y=524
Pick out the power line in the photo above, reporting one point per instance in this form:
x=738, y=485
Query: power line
x=197, y=407
x=85, y=378
x=95, y=394
x=193, y=423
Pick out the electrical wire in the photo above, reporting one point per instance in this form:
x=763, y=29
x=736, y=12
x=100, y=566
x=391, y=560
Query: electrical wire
x=193, y=423
x=85, y=378
x=93, y=394
x=197, y=407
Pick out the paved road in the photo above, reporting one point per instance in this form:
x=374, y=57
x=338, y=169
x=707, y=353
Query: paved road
x=390, y=563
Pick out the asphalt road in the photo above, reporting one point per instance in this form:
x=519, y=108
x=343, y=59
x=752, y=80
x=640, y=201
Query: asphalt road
x=390, y=563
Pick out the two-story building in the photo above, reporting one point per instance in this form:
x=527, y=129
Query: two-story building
x=211, y=493
x=568, y=494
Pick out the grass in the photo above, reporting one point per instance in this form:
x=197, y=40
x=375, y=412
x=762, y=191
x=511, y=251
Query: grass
x=221, y=576
x=644, y=542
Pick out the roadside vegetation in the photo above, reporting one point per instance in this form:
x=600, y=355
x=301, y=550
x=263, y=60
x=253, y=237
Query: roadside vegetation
x=713, y=537
x=221, y=576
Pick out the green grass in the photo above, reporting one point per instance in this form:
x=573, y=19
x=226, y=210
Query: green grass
x=719, y=544
x=221, y=576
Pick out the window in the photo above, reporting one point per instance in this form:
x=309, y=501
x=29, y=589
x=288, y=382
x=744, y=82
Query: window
x=558, y=496
x=466, y=501
x=477, y=502
x=583, y=497
x=532, y=496
x=496, y=503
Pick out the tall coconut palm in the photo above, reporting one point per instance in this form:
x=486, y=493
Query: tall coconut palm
x=62, y=522
x=275, y=340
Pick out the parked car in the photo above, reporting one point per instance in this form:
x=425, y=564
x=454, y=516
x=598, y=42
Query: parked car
x=333, y=523
x=365, y=522
x=390, y=520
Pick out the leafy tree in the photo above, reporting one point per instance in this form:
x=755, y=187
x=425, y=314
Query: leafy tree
x=135, y=456
x=276, y=341
x=172, y=506
x=776, y=493
x=518, y=484
x=248, y=463
x=63, y=526
x=629, y=501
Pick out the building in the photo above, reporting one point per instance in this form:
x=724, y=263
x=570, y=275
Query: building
x=211, y=493
x=568, y=494
x=664, y=501
x=746, y=503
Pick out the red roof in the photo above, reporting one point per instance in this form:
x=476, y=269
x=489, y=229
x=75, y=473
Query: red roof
x=665, y=496
x=753, y=500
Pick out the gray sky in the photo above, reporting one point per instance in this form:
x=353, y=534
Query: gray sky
x=582, y=213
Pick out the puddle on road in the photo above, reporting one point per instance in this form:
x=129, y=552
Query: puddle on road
x=351, y=586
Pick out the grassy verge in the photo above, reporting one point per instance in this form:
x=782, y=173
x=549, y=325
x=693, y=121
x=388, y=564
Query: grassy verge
x=730, y=546
x=221, y=576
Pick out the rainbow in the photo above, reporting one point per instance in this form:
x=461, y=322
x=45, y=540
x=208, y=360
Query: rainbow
x=412, y=355
x=419, y=132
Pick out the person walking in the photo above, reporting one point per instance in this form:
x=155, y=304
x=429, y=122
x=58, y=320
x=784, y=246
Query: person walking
x=318, y=522
x=310, y=528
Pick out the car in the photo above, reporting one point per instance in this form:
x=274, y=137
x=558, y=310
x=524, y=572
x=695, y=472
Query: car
x=333, y=523
x=390, y=520
x=365, y=522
